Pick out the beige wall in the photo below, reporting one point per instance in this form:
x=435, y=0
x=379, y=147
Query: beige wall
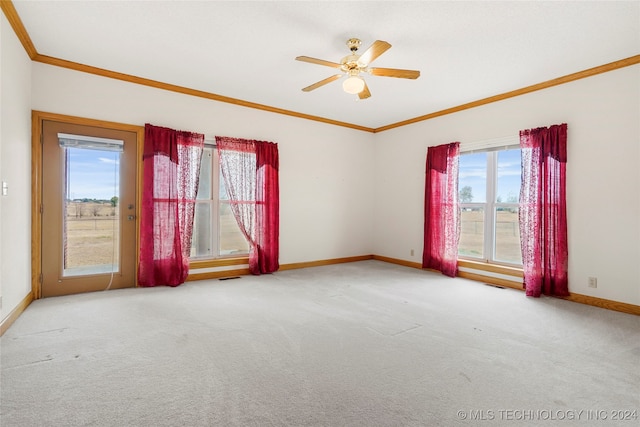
x=15, y=169
x=603, y=176
x=346, y=192
x=326, y=171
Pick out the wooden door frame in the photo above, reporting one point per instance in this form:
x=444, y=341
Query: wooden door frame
x=37, y=119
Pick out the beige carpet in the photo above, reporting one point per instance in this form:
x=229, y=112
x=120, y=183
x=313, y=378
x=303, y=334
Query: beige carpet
x=360, y=344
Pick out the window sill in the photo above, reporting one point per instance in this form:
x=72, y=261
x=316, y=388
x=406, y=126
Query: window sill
x=218, y=262
x=493, y=268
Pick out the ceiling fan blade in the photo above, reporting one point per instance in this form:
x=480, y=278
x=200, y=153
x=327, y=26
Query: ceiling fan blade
x=322, y=83
x=318, y=61
x=364, y=94
x=376, y=49
x=394, y=72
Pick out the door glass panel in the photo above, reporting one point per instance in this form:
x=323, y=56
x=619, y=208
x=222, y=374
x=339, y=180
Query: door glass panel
x=91, y=219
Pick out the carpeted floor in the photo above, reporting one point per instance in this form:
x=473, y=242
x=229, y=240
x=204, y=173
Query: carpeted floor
x=359, y=344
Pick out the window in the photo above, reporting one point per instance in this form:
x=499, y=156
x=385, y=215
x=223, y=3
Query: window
x=489, y=189
x=215, y=230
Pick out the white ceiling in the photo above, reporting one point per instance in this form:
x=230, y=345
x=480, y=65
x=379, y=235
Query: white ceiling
x=465, y=51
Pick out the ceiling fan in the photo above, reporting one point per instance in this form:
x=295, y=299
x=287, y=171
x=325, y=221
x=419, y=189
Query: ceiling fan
x=353, y=64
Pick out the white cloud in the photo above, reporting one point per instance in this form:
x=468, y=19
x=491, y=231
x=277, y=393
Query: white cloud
x=472, y=173
x=109, y=161
x=508, y=173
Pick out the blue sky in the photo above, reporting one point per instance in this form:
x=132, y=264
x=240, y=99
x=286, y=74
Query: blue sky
x=473, y=172
x=93, y=174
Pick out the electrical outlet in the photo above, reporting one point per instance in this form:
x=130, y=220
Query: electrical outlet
x=593, y=282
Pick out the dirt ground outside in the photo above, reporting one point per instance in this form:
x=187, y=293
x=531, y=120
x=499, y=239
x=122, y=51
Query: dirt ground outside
x=92, y=234
x=507, y=235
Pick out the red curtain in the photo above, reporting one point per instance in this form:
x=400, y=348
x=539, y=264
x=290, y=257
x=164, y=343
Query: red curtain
x=543, y=211
x=250, y=172
x=441, y=210
x=171, y=163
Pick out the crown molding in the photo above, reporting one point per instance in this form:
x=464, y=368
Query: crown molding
x=11, y=13
x=22, y=34
x=186, y=91
x=539, y=86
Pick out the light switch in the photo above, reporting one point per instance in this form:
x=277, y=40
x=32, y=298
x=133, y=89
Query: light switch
x=5, y=188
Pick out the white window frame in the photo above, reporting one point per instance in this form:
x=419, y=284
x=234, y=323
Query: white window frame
x=492, y=148
x=214, y=202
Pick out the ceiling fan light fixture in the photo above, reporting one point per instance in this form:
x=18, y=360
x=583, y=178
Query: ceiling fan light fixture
x=353, y=65
x=353, y=85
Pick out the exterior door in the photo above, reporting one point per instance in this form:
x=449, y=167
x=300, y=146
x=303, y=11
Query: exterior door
x=88, y=208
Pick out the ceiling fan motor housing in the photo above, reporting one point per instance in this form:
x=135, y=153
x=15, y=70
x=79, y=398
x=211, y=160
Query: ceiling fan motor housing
x=349, y=64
